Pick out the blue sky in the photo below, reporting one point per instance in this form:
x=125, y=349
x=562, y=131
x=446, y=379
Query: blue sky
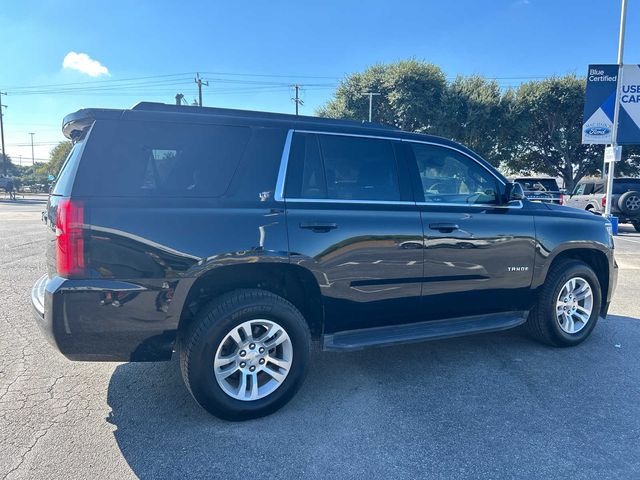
x=312, y=43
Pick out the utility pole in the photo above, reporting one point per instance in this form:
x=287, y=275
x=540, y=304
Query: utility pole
x=33, y=157
x=616, y=109
x=199, y=82
x=4, y=153
x=371, y=95
x=297, y=100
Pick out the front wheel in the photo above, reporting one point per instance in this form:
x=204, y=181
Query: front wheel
x=245, y=354
x=568, y=305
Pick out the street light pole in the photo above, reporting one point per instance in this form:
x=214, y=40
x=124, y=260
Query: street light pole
x=616, y=109
x=371, y=94
x=33, y=157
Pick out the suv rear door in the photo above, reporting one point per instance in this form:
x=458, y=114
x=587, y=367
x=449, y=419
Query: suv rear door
x=352, y=221
x=479, y=255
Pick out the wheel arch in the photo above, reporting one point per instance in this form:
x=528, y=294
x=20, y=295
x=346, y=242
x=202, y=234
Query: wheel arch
x=291, y=282
x=593, y=257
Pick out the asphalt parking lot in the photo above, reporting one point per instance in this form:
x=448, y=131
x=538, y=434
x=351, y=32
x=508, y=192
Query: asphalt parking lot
x=489, y=406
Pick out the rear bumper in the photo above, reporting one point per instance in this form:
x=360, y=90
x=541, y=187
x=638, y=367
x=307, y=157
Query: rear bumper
x=105, y=320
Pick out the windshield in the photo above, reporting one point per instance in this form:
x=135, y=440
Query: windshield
x=538, y=184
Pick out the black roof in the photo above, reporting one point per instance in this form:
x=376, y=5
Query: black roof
x=75, y=123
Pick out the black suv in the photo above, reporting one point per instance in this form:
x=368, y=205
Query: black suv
x=234, y=238
x=590, y=195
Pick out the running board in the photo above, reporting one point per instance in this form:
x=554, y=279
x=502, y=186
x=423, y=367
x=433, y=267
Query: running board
x=422, y=331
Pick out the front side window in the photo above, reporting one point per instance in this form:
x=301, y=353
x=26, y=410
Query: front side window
x=338, y=167
x=448, y=176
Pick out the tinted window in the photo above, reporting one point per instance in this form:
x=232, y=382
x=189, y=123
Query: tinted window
x=342, y=168
x=164, y=159
x=305, y=176
x=64, y=181
x=451, y=177
x=620, y=187
x=359, y=168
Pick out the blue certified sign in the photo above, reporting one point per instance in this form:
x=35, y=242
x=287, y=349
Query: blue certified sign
x=599, y=104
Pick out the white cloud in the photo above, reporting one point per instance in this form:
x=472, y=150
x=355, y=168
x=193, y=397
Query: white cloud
x=85, y=64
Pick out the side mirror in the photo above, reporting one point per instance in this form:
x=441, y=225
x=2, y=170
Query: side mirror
x=514, y=192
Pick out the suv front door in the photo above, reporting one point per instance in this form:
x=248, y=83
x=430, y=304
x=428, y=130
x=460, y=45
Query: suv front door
x=479, y=254
x=353, y=223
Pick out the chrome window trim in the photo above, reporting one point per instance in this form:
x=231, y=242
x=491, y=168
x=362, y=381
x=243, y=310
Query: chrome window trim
x=518, y=204
x=362, y=202
x=459, y=151
x=284, y=163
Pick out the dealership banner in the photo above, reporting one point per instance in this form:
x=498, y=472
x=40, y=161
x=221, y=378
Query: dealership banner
x=602, y=81
x=629, y=116
x=599, y=103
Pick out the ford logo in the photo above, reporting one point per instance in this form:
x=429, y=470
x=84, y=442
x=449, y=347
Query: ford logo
x=597, y=131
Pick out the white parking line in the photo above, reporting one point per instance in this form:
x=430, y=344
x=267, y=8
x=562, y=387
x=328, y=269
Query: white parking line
x=632, y=240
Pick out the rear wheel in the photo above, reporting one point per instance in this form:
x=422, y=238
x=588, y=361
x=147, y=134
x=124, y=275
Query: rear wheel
x=245, y=354
x=568, y=305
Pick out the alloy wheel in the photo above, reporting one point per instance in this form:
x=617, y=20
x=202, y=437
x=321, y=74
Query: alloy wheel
x=253, y=359
x=574, y=305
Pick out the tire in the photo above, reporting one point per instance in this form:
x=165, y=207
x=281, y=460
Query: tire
x=629, y=203
x=210, y=339
x=544, y=323
x=636, y=225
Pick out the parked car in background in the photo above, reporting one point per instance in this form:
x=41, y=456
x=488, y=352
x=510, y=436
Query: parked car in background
x=589, y=194
x=541, y=189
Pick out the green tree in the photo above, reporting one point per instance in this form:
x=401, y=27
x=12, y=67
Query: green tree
x=57, y=156
x=474, y=115
x=546, y=130
x=411, y=97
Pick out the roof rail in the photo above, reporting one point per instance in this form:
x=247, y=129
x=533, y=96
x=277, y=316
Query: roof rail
x=164, y=107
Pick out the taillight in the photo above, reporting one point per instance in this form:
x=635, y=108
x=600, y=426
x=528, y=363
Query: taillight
x=603, y=202
x=561, y=199
x=69, y=241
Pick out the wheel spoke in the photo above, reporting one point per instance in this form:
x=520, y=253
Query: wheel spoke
x=220, y=362
x=254, y=386
x=584, y=295
x=277, y=376
x=242, y=388
x=568, y=323
x=284, y=364
x=246, y=329
x=581, y=317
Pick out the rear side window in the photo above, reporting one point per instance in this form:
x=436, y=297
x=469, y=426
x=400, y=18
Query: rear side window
x=338, y=167
x=165, y=159
x=64, y=182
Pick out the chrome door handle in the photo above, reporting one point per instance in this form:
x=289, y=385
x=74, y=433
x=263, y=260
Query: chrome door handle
x=319, y=227
x=444, y=227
